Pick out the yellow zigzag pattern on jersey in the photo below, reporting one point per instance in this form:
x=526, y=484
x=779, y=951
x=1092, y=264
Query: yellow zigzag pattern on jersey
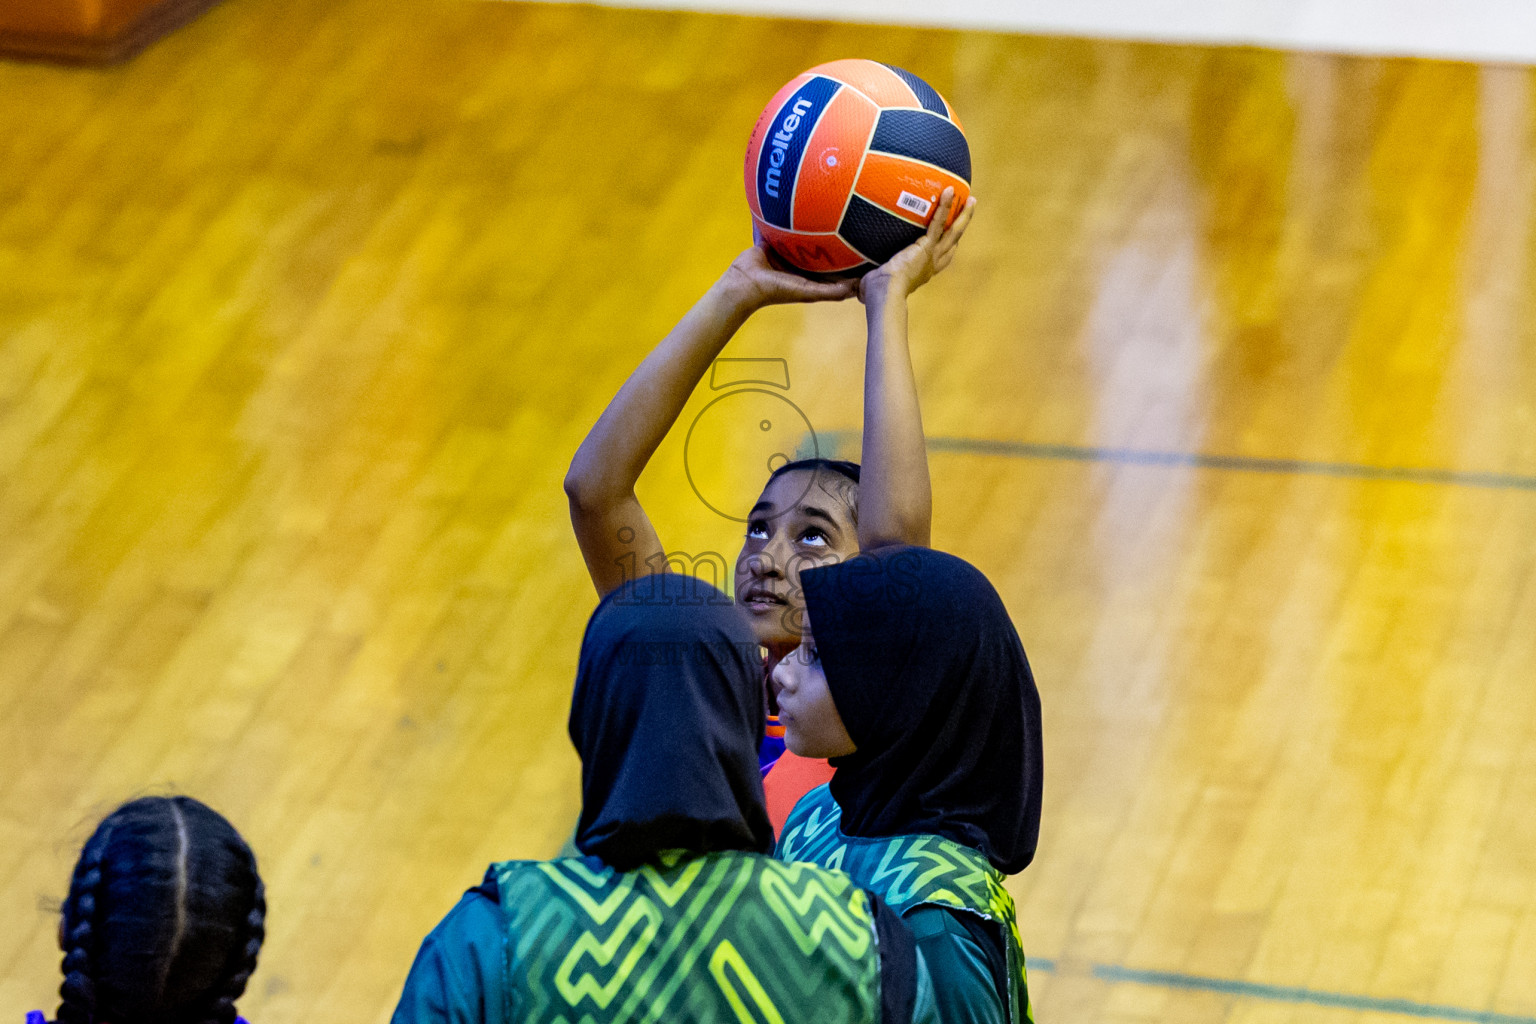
x=809, y=840
x=910, y=871
x=737, y=982
x=680, y=940
x=642, y=917
x=848, y=923
x=645, y=976
x=947, y=880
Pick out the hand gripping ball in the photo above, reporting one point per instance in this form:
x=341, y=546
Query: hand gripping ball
x=847, y=162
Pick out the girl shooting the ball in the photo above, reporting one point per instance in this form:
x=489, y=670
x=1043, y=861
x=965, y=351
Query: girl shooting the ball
x=809, y=513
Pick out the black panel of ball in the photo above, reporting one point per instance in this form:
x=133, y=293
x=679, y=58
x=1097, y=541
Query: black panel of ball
x=923, y=136
x=926, y=95
x=877, y=235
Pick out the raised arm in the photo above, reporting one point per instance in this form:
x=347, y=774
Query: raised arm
x=616, y=536
x=895, y=495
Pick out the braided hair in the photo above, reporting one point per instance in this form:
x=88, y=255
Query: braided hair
x=164, y=920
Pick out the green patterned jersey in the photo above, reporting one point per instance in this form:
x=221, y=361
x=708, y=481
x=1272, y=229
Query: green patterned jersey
x=908, y=872
x=723, y=937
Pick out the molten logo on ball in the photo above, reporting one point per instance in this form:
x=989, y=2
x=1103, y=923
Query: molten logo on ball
x=781, y=142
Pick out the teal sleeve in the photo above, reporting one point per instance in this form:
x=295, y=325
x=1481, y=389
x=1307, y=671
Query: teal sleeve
x=460, y=973
x=925, y=1010
x=963, y=989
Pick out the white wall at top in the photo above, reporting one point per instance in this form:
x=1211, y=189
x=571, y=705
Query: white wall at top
x=1481, y=30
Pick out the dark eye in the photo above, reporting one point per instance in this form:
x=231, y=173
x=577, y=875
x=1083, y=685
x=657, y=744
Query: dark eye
x=812, y=655
x=815, y=538
x=757, y=530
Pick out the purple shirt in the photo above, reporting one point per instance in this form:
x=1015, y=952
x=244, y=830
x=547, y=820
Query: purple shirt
x=36, y=1017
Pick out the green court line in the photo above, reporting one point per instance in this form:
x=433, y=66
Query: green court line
x=831, y=441
x=1287, y=994
x=1290, y=994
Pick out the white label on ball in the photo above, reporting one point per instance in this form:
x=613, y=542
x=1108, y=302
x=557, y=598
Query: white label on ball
x=917, y=204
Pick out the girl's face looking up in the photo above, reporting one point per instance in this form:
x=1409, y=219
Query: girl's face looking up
x=812, y=726
x=804, y=518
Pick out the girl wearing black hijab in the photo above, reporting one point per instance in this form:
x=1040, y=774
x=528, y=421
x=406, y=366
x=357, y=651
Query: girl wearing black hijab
x=675, y=911
x=912, y=680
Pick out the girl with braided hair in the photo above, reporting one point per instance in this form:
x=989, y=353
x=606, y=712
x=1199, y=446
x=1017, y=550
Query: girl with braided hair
x=163, y=921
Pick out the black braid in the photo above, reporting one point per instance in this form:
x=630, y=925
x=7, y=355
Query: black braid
x=165, y=917
x=77, y=995
x=223, y=1008
x=220, y=1006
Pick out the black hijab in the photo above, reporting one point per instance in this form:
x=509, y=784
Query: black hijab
x=932, y=684
x=667, y=716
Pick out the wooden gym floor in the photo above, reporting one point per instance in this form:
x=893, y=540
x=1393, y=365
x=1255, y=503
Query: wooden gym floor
x=1233, y=393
